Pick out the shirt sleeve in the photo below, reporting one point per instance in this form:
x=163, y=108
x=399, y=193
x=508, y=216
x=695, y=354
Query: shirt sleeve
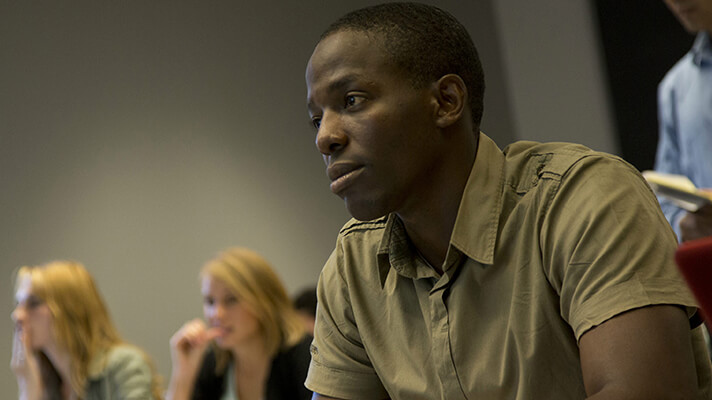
x=340, y=366
x=130, y=374
x=607, y=246
x=667, y=157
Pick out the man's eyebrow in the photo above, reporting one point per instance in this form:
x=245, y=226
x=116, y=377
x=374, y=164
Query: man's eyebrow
x=335, y=86
x=341, y=83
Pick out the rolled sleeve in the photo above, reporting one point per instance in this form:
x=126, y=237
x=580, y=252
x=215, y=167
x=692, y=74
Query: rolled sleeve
x=340, y=366
x=611, y=249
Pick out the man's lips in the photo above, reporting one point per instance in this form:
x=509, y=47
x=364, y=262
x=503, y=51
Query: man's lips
x=342, y=174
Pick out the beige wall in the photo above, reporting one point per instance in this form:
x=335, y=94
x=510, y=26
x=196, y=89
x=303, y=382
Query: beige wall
x=142, y=137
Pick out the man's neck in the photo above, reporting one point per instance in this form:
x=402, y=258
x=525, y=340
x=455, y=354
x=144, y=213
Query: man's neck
x=430, y=227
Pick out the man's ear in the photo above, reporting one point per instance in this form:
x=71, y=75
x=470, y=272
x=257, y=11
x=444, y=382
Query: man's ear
x=451, y=96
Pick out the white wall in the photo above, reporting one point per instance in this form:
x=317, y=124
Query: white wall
x=142, y=137
x=555, y=72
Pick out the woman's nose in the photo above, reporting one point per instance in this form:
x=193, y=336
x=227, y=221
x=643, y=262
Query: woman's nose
x=18, y=314
x=221, y=311
x=216, y=312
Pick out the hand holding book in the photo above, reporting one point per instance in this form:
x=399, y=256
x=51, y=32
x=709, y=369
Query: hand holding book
x=679, y=190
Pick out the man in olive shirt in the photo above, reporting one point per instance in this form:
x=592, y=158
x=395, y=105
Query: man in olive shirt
x=541, y=272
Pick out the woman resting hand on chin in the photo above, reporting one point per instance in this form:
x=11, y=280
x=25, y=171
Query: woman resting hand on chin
x=66, y=346
x=253, y=347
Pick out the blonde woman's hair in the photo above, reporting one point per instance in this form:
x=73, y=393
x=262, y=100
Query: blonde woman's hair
x=253, y=282
x=81, y=322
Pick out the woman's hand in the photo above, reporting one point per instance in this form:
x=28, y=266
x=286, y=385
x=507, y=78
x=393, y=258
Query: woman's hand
x=25, y=365
x=188, y=347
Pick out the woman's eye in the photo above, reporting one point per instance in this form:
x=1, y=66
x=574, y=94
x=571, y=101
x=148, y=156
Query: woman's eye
x=208, y=301
x=316, y=122
x=33, y=302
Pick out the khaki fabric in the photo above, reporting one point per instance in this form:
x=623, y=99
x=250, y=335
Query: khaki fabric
x=550, y=241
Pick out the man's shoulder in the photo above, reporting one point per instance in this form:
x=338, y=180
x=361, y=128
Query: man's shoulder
x=552, y=159
x=357, y=246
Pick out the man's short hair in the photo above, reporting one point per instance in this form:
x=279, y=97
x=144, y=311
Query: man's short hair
x=424, y=42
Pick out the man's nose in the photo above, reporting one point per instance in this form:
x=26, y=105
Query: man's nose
x=330, y=138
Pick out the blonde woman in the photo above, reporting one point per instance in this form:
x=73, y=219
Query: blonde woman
x=66, y=346
x=253, y=346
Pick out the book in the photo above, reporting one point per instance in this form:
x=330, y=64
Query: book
x=678, y=189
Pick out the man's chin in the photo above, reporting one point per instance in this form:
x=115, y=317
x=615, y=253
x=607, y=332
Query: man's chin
x=365, y=211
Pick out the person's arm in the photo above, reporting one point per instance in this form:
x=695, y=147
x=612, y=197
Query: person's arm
x=25, y=366
x=667, y=155
x=130, y=373
x=188, y=347
x=340, y=365
x=644, y=353
x=613, y=265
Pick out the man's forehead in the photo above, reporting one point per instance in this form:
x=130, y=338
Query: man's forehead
x=346, y=44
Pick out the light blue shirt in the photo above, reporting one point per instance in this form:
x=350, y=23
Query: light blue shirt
x=685, y=118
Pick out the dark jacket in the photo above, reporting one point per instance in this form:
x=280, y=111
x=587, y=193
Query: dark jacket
x=286, y=377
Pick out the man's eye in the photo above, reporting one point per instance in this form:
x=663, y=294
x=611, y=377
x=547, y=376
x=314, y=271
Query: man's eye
x=352, y=100
x=316, y=122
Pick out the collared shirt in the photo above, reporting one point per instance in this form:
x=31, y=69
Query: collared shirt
x=550, y=240
x=230, y=392
x=122, y=373
x=685, y=120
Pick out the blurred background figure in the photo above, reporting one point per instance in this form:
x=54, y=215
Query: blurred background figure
x=685, y=118
x=253, y=346
x=66, y=345
x=305, y=304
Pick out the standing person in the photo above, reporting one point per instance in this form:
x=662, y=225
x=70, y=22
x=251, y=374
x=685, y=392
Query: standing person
x=685, y=118
x=66, y=346
x=544, y=271
x=259, y=348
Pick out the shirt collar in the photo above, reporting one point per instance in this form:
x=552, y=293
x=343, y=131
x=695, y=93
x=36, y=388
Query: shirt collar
x=396, y=251
x=476, y=225
x=702, y=50
x=475, y=231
